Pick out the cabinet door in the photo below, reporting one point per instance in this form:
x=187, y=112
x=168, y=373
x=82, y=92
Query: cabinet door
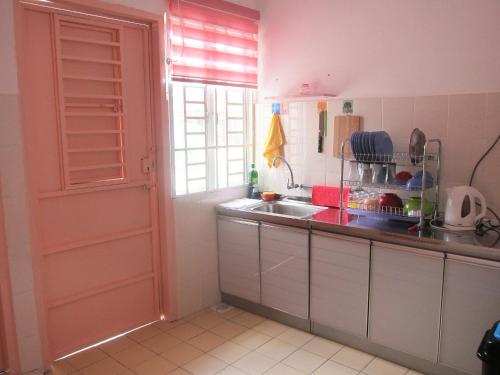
x=239, y=258
x=285, y=269
x=340, y=269
x=405, y=299
x=471, y=304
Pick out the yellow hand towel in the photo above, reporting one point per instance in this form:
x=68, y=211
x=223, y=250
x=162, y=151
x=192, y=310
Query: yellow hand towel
x=275, y=141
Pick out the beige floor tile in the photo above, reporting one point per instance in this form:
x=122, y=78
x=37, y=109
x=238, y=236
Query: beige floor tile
x=127, y=372
x=382, y=367
x=230, y=370
x=304, y=361
x=62, y=367
x=207, y=320
x=186, y=331
x=231, y=313
x=254, y=363
x=161, y=343
x=144, y=333
x=165, y=325
x=133, y=356
x=281, y=369
x=155, y=366
x=270, y=328
x=334, y=368
x=229, y=330
x=117, y=345
x=295, y=337
x=179, y=371
x=276, y=349
x=86, y=358
x=107, y=366
x=322, y=347
x=204, y=365
x=413, y=372
x=248, y=320
x=182, y=354
x=229, y=352
x=352, y=358
x=207, y=341
x=251, y=339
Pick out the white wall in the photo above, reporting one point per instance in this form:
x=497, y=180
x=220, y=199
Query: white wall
x=380, y=48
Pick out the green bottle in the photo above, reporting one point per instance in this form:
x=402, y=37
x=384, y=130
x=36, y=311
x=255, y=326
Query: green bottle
x=253, y=180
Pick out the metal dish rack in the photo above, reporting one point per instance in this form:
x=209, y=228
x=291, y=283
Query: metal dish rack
x=400, y=159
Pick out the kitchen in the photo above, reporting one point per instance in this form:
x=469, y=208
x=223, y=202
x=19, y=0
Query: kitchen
x=85, y=262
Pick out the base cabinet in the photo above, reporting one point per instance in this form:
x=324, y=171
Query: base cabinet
x=238, y=242
x=340, y=269
x=285, y=269
x=471, y=304
x=405, y=299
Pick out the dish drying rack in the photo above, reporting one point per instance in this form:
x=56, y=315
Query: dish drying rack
x=430, y=159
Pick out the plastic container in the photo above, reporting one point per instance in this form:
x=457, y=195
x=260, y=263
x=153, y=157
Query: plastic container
x=489, y=351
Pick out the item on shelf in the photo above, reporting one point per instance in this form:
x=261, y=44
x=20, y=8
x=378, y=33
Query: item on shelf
x=460, y=212
x=353, y=171
x=415, y=183
x=371, y=203
x=253, y=180
x=379, y=173
x=403, y=177
x=390, y=173
x=412, y=207
x=417, y=143
x=390, y=200
x=372, y=146
x=365, y=173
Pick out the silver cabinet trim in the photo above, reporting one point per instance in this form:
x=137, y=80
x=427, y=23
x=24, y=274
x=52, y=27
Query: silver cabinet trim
x=429, y=253
x=341, y=237
x=475, y=261
x=237, y=220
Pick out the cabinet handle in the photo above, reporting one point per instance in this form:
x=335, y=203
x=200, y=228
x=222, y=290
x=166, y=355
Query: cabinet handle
x=238, y=221
x=285, y=227
x=414, y=250
x=475, y=261
x=340, y=237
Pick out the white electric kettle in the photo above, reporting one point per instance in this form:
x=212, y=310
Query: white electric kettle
x=460, y=212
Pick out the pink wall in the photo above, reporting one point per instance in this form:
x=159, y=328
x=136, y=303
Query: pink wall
x=380, y=48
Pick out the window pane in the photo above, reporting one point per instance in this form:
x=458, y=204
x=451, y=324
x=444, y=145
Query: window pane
x=235, y=179
x=196, y=125
x=178, y=114
x=196, y=171
x=234, y=153
x=196, y=156
x=235, y=96
x=195, y=110
x=195, y=140
x=235, y=125
x=180, y=172
x=234, y=110
x=195, y=94
x=233, y=139
x=221, y=168
x=221, y=116
x=235, y=166
x=196, y=186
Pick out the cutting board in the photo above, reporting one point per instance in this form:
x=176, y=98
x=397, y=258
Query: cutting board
x=344, y=126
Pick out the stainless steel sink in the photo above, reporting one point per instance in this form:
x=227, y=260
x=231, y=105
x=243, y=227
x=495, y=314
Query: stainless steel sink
x=297, y=210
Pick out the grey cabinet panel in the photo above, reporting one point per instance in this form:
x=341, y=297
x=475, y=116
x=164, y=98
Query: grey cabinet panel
x=340, y=269
x=239, y=270
x=285, y=269
x=471, y=304
x=405, y=299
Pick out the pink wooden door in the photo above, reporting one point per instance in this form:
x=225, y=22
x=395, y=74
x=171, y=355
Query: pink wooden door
x=89, y=137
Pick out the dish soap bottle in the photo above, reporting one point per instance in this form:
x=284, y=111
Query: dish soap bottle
x=253, y=181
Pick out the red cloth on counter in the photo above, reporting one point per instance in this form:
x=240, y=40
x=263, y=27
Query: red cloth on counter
x=328, y=196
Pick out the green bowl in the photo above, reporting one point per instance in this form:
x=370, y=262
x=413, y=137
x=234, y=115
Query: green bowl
x=412, y=207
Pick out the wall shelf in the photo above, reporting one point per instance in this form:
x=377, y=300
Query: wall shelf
x=299, y=98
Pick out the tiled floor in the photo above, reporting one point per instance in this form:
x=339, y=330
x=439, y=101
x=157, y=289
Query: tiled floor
x=231, y=343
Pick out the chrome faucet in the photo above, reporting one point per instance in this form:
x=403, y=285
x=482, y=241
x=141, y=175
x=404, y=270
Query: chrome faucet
x=289, y=184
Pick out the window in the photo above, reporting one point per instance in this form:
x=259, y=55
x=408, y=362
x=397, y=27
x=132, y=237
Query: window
x=212, y=136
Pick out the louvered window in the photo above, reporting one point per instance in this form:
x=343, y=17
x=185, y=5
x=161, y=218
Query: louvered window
x=89, y=70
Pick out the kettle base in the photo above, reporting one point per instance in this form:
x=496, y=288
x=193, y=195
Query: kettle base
x=458, y=228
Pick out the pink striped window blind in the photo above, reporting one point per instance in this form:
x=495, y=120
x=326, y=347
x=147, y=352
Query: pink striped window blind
x=213, y=42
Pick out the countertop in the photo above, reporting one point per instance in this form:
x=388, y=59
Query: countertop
x=459, y=243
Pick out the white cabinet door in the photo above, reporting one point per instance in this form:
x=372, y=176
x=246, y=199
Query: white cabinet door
x=405, y=299
x=285, y=269
x=239, y=258
x=340, y=272
x=471, y=304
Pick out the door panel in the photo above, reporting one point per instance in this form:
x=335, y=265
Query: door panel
x=91, y=163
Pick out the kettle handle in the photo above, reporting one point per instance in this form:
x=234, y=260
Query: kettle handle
x=480, y=196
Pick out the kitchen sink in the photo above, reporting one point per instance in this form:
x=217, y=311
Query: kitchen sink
x=297, y=210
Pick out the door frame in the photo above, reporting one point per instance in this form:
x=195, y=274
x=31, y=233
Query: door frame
x=160, y=124
x=8, y=336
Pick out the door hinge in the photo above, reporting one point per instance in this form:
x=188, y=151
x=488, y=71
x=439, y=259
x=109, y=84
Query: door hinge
x=147, y=165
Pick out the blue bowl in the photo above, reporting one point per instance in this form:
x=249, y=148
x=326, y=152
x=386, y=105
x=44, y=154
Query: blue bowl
x=415, y=183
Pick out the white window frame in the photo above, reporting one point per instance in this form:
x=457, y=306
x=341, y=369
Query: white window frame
x=212, y=120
